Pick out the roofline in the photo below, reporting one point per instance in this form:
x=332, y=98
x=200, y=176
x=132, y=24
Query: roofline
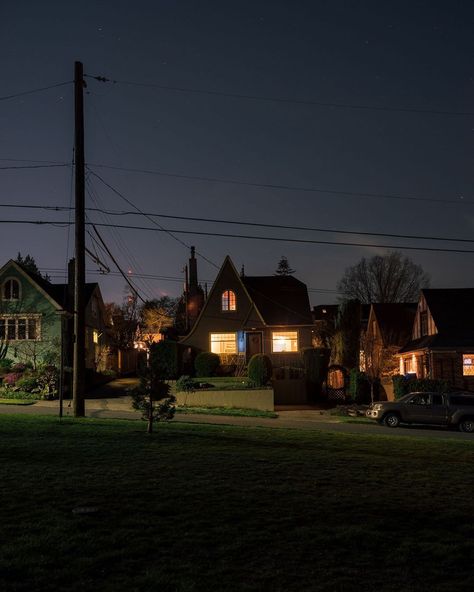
x=32, y=281
x=213, y=289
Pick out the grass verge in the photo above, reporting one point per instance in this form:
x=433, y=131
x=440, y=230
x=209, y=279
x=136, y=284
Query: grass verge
x=236, y=412
x=99, y=505
x=17, y=401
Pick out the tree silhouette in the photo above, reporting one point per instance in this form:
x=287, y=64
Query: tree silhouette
x=284, y=267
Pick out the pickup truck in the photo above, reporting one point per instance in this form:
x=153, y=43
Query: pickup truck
x=444, y=409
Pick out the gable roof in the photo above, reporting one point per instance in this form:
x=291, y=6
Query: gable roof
x=452, y=310
x=58, y=293
x=280, y=300
x=395, y=321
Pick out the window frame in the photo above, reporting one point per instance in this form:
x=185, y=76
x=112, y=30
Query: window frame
x=223, y=341
x=4, y=288
x=286, y=351
x=17, y=318
x=470, y=366
x=228, y=301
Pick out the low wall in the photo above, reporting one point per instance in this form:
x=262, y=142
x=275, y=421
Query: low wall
x=261, y=399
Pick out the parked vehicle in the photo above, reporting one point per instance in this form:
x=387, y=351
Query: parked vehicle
x=446, y=409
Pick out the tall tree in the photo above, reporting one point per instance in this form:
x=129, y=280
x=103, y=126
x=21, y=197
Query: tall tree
x=29, y=263
x=284, y=267
x=346, y=340
x=384, y=278
x=156, y=315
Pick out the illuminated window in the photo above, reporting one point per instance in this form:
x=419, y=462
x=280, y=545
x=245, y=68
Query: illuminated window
x=95, y=336
x=17, y=328
x=285, y=341
x=229, y=301
x=11, y=290
x=224, y=343
x=468, y=364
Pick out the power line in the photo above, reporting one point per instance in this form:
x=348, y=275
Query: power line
x=254, y=224
x=282, y=187
x=249, y=97
x=170, y=233
x=33, y=166
x=34, y=90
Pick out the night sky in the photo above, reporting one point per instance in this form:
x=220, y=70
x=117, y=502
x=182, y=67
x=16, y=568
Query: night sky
x=415, y=55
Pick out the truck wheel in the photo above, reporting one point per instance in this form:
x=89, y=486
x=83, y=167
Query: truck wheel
x=391, y=420
x=467, y=425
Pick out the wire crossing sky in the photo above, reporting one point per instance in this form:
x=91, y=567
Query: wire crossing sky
x=291, y=120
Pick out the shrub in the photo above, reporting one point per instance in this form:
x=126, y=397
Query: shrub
x=6, y=364
x=402, y=385
x=164, y=359
x=11, y=379
x=27, y=383
x=260, y=369
x=359, y=387
x=48, y=380
x=185, y=384
x=206, y=364
x=19, y=367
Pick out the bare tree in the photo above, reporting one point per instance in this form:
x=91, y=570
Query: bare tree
x=384, y=278
x=379, y=360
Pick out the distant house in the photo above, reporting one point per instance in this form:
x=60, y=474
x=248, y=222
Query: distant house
x=35, y=316
x=391, y=324
x=442, y=340
x=245, y=315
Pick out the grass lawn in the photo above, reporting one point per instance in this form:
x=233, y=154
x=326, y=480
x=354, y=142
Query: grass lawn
x=17, y=401
x=224, y=383
x=214, y=508
x=232, y=411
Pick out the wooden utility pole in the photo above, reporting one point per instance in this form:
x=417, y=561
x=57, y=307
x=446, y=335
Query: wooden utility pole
x=78, y=379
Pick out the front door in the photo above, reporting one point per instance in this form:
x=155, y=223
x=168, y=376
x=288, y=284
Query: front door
x=253, y=344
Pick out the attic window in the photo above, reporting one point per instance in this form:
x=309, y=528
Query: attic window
x=229, y=302
x=11, y=290
x=285, y=341
x=468, y=364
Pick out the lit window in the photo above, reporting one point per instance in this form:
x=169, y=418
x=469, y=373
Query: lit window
x=285, y=341
x=11, y=290
x=229, y=301
x=468, y=364
x=95, y=336
x=224, y=343
x=19, y=328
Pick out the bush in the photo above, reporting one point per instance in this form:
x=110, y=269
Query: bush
x=11, y=379
x=19, y=367
x=260, y=369
x=403, y=386
x=48, y=380
x=164, y=359
x=206, y=364
x=9, y=393
x=5, y=364
x=185, y=384
x=27, y=383
x=359, y=387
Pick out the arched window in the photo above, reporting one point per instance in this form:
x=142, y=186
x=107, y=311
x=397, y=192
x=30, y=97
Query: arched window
x=11, y=290
x=229, y=301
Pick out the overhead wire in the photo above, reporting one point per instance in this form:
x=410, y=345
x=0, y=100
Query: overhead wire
x=35, y=90
x=273, y=99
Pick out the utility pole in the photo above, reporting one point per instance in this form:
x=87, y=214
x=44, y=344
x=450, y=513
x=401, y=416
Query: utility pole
x=78, y=379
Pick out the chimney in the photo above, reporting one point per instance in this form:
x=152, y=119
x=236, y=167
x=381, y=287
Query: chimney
x=193, y=277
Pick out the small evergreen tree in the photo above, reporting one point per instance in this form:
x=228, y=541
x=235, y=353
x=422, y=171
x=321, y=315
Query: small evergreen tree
x=284, y=267
x=153, y=398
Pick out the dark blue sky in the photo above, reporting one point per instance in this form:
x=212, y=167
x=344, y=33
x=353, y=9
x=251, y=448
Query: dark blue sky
x=400, y=54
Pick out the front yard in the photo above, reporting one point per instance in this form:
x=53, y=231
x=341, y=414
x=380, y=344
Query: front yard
x=98, y=505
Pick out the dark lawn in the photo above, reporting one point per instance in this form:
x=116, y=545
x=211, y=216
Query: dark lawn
x=226, y=508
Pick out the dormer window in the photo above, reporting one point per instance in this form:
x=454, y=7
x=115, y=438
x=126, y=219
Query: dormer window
x=11, y=290
x=229, y=302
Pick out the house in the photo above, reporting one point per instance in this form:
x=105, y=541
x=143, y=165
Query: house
x=35, y=317
x=390, y=324
x=442, y=339
x=246, y=315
